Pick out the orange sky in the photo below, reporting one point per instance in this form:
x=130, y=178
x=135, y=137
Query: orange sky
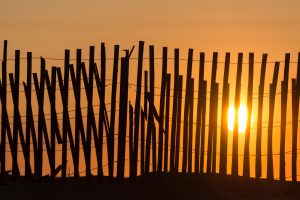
x=47, y=27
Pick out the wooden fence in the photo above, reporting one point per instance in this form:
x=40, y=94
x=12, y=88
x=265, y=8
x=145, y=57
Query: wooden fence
x=156, y=140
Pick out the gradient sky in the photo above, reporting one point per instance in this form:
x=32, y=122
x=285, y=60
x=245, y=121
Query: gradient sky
x=47, y=27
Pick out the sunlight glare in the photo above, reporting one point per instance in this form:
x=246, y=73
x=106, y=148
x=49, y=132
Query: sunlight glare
x=242, y=118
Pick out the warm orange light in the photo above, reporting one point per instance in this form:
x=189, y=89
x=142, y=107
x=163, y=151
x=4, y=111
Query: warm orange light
x=242, y=114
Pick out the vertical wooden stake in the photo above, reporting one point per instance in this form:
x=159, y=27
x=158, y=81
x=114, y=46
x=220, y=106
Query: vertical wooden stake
x=174, y=110
x=122, y=117
x=166, y=153
x=246, y=166
x=224, y=120
x=234, y=167
x=178, y=123
x=273, y=85
x=186, y=111
x=284, y=95
x=110, y=139
x=259, y=117
x=211, y=113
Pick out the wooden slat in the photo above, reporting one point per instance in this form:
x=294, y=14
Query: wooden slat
x=191, y=126
x=167, y=122
x=186, y=111
x=142, y=162
x=199, y=110
x=273, y=85
x=295, y=113
x=246, y=166
x=224, y=118
x=211, y=115
x=284, y=96
x=162, y=109
x=150, y=133
x=174, y=110
x=131, y=161
x=215, y=128
x=122, y=117
x=234, y=168
x=3, y=101
x=15, y=85
x=259, y=117
x=137, y=107
x=111, y=135
x=203, y=125
x=178, y=123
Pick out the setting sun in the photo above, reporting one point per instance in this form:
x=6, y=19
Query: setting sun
x=242, y=118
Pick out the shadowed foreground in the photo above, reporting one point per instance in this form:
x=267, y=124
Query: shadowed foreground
x=165, y=186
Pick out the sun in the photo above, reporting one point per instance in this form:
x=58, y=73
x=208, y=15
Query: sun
x=242, y=114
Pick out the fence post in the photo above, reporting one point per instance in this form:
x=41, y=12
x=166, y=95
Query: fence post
x=131, y=160
x=65, y=114
x=162, y=109
x=166, y=153
x=30, y=130
x=122, y=117
x=259, y=116
x=178, y=123
x=199, y=110
x=186, y=111
x=235, y=168
x=39, y=88
x=142, y=162
x=3, y=121
x=111, y=135
x=211, y=112
x=224, y=118
x=174, y=110
x=150, y=117
x=137, y=107
x=295, y=112
x=273, y=85
x=191, y=125
x=284, y=95
x=203, y=125
x=215, y=128
x=246, y=166
x=143, y=119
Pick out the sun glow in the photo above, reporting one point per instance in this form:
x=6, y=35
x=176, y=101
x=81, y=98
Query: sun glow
x=242, y=114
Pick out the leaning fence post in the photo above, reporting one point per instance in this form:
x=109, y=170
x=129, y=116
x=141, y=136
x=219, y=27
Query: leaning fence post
x=29, y=119
x=174, y=110
x=191, y=125
x=150, y=117
x=186, y=111
x=273, y=85
x=137, y=107
x=65, y=114
x=122, y=117
x=15, y=85
x=166, y=153
x=203, y=125
x=3, y=121
x=162, y=109
x=234, y=168
x=211, y=114
x=224, y=120
x=199, y=110
x=284, y=95
x=111, y=135
x=246, y=166
x=259, y=116
x=178, y=123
